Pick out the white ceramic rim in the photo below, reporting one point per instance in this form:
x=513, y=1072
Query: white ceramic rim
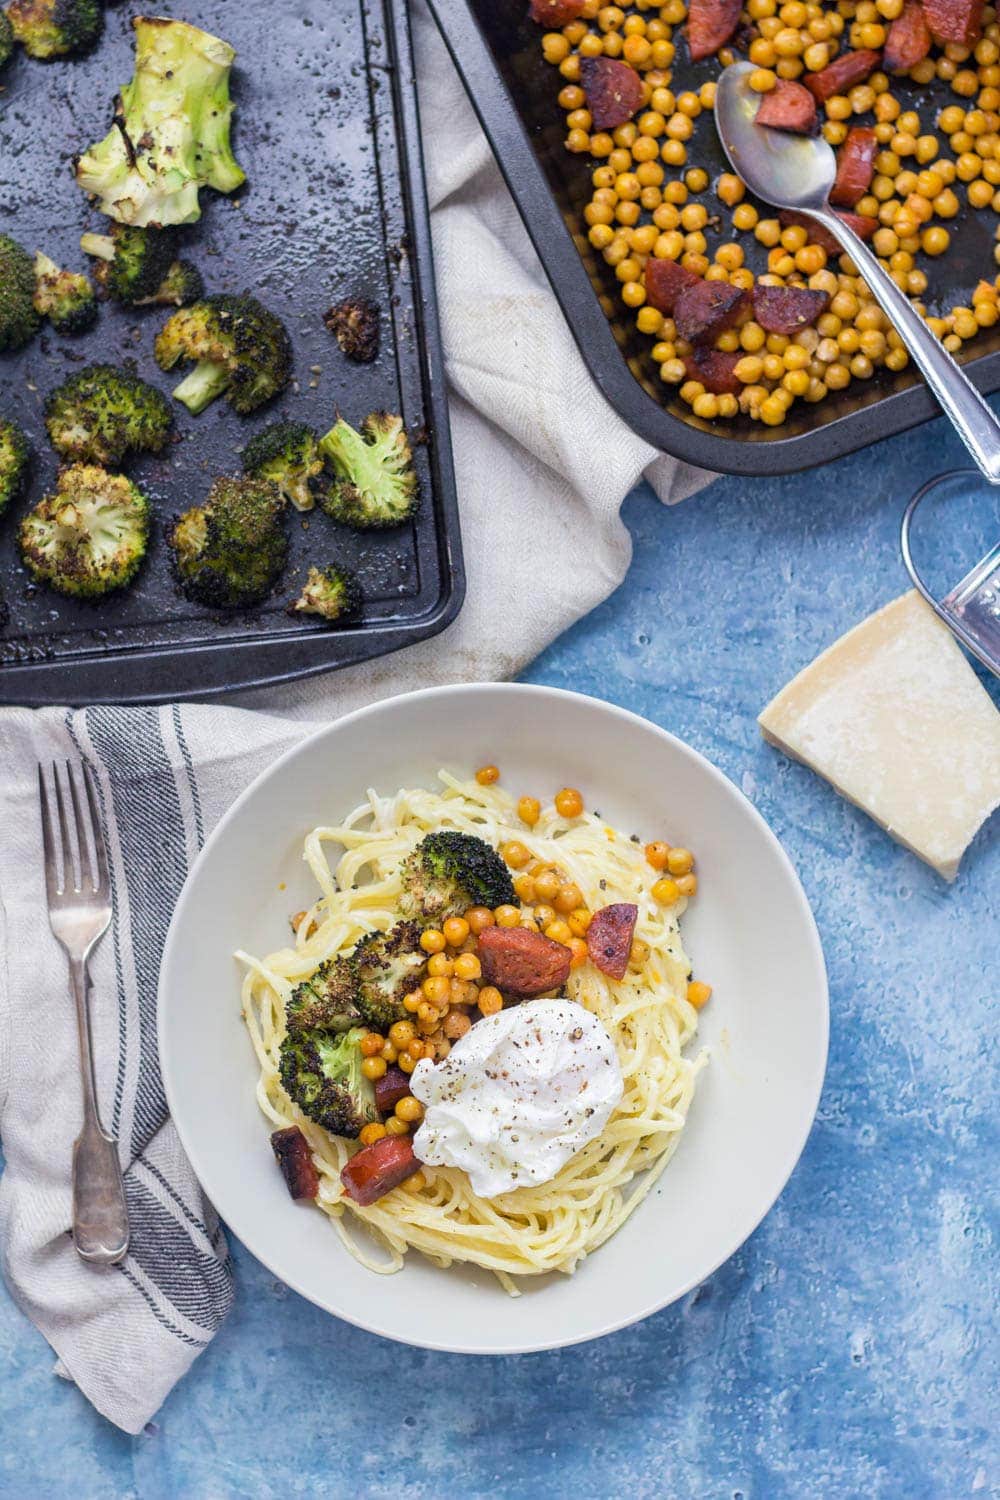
x=218, y=1191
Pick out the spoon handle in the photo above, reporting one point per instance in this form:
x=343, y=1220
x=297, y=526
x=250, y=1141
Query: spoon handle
x=972, y=418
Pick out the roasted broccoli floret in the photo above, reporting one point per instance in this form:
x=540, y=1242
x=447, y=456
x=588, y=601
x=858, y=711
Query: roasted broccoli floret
x=322, y=1074
x=53, y=28
x=354, y=324
x=229, y=552
x=18, y=319
x=333, y=593
x=137, y=267
x=387, y=967
x=328, y=1000
x=170, y=135
x=242, y=352
x=376, y=484
x=182, y=285
x=90, y=536
x=288, y=454
x=100, y=414
x=449, y=872
x=14, y=459
x=6, y=41
x=131, y=263
x=66, y=298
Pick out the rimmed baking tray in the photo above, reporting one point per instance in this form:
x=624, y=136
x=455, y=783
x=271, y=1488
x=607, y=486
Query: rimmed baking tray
x=328, y=133
x=513, y=90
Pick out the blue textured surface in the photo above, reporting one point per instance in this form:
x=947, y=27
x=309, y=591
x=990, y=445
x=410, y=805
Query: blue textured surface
x=846, y=1350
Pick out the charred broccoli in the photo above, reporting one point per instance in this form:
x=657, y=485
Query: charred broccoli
x=322, y=1075
x=90, y=536
x=102, y=413
x=182, y=285
x=18, y=319
x=333, y=593
x=66, y=298
x=388, y=966
x=14, y=459
x=131, y=263
x=376, y=484
x=170, y=136
x=449, y=872
x=242, y=352
x=53, y=28
x=229, y=552
x=327, y=1001
x=6, y=41
x=288, y=454
x=354, y=324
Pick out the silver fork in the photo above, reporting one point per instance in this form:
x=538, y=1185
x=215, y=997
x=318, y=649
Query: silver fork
x=79, y=896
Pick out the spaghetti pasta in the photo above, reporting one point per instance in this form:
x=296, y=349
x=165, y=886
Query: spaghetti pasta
x=536, y=1229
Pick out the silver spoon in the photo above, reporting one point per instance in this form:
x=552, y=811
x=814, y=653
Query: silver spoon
x=797, y=172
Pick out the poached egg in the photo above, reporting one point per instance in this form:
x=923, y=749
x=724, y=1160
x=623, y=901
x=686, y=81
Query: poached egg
x=518, y=1095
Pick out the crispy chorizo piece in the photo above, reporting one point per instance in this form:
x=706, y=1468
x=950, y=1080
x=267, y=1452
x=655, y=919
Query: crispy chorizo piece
x=787, y=309
x=390, y=1088
x=664, y=280
x=295, y=1160
x=613, y=89
x=855, y=166
x=710, y=25
x=789, y=106
x=705, y=309
x=609, y=938
x=954, y=20
x=909, y=39
x=842, y=74
x=714, y=368
x=555, y=13
x=375, y=1170
x=521, y=962
x=862, y=225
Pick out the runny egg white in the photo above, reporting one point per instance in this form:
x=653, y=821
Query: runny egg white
x=518, y=1095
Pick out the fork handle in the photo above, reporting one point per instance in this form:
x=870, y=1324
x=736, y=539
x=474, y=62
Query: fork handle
x=100, y=1216
x=967, y=410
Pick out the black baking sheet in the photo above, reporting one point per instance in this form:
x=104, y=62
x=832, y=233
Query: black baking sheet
x=326, y=130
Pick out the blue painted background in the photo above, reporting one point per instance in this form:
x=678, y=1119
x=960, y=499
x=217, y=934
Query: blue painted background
x=846, y=1350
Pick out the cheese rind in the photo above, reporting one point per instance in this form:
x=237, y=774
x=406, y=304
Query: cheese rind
x=895, y=718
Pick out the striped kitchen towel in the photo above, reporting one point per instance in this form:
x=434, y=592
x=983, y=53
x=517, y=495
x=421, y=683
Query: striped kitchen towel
x=166, y=775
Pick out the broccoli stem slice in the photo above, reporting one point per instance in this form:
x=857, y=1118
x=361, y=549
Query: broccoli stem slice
x=100, y=246
x=199, y=389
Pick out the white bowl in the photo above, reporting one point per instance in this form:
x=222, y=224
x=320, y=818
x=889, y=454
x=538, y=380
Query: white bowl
x=749, y=932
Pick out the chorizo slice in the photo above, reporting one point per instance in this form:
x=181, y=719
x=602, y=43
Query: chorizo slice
x=375, y=1170
x=842, y=74
x=788, y=106
x=390, y=1088
x=787, y=309
x=614, y=91
x=521, y=962
x=862, y=224
x=715, y=368
x=855, y=166
x=555, y=13
x=295, y=1160
x=908, y=41
x=707, y=308
x=710, y=25
x=958, y=21
x=609, y=937
x=665, y=279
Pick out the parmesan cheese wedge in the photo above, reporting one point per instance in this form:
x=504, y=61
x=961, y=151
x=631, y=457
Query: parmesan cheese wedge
x=894, y=717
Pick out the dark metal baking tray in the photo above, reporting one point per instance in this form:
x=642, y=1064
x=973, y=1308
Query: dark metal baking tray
x=327, y=132
x=513, y=90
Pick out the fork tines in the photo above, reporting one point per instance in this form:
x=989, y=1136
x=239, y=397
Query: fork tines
x=75, y=857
